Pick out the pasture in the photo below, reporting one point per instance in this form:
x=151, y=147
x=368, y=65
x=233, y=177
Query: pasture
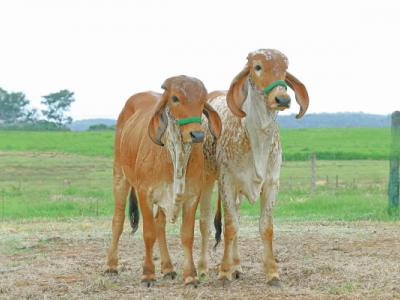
x=338, y=242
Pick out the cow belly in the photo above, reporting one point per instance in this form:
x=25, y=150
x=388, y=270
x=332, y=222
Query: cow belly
x=245, y=179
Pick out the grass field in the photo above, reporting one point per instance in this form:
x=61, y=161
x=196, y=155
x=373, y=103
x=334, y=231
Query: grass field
x=51, y=184
x=68, y=174
x=328, y=143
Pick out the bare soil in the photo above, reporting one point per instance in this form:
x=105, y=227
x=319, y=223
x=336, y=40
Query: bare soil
x=65, y=260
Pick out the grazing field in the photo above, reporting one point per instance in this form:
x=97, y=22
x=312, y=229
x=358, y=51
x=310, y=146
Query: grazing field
x=298, y=144
x=51, y=184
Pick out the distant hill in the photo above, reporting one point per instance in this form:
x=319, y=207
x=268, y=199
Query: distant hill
x=334, y=120
x=82, y=125
x=321, y=120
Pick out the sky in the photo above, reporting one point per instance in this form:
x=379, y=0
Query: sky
x=347, y=53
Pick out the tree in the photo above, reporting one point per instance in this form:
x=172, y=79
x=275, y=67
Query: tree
x=13, y=106
x=32, y=116
x=57, y=105
x=100, y=127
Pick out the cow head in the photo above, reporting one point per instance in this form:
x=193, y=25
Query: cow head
x=176, y=122
x=266, y=75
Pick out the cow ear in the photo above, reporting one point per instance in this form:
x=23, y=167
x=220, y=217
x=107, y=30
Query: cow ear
x=214, y=121
x=300, y=93
x=238, y=92
x=158, y=121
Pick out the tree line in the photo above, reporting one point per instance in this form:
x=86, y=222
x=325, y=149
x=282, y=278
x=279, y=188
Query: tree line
x=16, y=113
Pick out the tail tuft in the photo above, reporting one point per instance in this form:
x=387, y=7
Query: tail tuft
x=133, y=211
x=218, y=223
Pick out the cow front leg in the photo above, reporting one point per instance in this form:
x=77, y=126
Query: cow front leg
x=187, y=237
x=268, y=197
x=120, y=190
x=149, y=237
x=167, y=268
x=205, y=220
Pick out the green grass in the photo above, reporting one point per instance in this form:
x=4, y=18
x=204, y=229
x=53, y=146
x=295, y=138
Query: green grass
x=86, y=143
x=328, y=143
x=336, y=143
x=55, y=185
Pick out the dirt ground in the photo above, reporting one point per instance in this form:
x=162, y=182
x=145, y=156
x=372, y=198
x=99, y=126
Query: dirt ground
x=65, y=260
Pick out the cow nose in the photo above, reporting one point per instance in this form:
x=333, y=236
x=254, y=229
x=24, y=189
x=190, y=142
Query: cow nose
x=282, y=101
x=197, y=136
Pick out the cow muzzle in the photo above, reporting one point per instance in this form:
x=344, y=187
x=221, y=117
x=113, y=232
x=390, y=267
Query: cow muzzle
x=282, y=102
x=197, y=136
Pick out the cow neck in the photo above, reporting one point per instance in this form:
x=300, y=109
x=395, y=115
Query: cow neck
x=260, y=124
x=179, y=153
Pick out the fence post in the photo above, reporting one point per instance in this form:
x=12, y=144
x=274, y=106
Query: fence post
x=313, y=172
x=2, y=206
x=394, y=183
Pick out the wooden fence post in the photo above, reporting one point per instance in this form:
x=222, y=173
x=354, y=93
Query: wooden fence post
x=313, y=172
x=394, y=180
x=2, y=206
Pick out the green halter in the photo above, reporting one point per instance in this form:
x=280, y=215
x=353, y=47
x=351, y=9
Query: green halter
x=188, y=120
x=274, y=85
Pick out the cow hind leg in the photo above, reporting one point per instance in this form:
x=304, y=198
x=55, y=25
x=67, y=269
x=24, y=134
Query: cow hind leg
x=120, y=189
x=149, y=237
x=167, y=268
x=231, y=226
x=237, y=271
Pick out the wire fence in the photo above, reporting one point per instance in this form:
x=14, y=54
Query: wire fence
x=63, y=192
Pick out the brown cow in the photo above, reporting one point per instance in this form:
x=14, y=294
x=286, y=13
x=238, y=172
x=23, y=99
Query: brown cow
x=168, y=177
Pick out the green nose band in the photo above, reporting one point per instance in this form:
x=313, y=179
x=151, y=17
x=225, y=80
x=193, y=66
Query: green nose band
x=274, y=85
x=188, y=120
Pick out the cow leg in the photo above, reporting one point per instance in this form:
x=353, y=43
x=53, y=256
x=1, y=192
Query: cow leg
x=231, y=226
x=187, y=237
x=205, y=220
x=120, y=189
x=166, y=266
x=236, y=269
x=149, y=237
x=268, y=197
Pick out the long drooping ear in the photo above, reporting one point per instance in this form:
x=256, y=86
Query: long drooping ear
x=238, y=92
x=214, y=121
x=158, y=122
x=300, y=93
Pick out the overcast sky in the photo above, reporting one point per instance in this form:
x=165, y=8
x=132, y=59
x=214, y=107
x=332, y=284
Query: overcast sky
x=347, y=53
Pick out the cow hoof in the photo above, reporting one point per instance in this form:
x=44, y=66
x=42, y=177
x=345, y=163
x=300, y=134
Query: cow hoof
x=111, y=271
x=192, y=282
x=148, y=282
x=224, y=281
x=237, y=274
x=274, y=281
x=203, y=276
x=170, y=275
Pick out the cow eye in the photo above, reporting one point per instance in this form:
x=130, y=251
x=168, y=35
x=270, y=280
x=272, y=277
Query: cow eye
x=257, y=67
x=175, y=99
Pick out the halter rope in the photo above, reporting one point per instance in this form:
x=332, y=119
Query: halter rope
x=269, y=88
x=188, y=120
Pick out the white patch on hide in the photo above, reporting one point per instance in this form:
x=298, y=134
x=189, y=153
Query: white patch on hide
x=247, y=152
x=170, y=196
